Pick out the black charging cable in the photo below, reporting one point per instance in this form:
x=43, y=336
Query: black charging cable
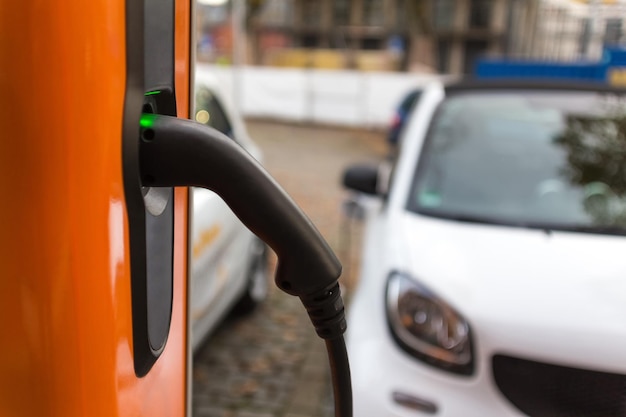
x=179, y=152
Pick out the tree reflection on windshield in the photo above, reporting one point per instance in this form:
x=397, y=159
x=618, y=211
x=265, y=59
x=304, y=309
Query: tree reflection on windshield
x=596, y=161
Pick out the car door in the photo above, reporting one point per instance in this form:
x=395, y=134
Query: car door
x=220, y=244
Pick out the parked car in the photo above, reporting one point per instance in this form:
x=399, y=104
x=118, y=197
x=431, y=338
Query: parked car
x=493, y=276
x=400, y=114
x=228, y=265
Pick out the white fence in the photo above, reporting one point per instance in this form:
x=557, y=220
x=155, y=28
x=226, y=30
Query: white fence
x=348, y=98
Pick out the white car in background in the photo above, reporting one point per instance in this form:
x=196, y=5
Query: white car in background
x=493, y=276
x=228, y=263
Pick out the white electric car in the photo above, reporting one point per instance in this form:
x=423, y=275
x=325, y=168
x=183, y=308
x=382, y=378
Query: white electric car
x=493, y=277
x=228, y=264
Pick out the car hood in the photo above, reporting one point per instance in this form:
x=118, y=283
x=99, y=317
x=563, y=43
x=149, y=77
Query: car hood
x=556, y=291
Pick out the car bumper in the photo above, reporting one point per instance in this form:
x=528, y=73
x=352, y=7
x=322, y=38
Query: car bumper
x=389, y=383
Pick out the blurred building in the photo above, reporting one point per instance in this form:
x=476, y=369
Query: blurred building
x=444, y=36
x=359, y=34
x=464, y=30
x=421, y=35
x=577, y=29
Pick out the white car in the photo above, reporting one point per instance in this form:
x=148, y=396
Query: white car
x=228, y=265
x=493, y=276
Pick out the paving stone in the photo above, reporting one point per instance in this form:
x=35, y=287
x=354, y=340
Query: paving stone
x=252, y=414
x=213, y=412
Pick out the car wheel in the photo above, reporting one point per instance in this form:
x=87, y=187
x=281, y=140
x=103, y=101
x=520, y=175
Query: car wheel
x=257, y=286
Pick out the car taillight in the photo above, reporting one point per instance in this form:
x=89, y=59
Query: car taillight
x=395, y=121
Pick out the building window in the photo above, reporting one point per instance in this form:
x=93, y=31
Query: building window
x=310, y=41
x=480, y=13
x=311, y=13
x=277, y=13
x=371, y=44
x=444, y=14
x=341, y=12
x=373, y=13
x=585, y=36
x=518, y=24
x=340, y=40
x=401, y=14
x=613, y=31
x=473, y=50
x=443, y=56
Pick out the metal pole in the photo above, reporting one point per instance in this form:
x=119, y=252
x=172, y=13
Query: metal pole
x=239, y=48
x=593, y=25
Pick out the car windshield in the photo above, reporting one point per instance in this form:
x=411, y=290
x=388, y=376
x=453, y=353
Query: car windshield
x=544, y=159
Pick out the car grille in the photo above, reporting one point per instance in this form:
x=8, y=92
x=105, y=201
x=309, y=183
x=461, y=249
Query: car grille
x=545, y=390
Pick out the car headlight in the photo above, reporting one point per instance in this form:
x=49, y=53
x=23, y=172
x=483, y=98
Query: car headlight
x=427, y=327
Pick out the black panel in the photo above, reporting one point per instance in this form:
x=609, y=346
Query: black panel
x=149, y=69
x=159, y=84
x=159, y=45
x=159, y=245
x=547, y=390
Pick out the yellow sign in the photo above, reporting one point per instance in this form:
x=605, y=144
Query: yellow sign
x=617, y=76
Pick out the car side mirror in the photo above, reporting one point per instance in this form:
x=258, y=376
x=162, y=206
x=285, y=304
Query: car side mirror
x=367, y=178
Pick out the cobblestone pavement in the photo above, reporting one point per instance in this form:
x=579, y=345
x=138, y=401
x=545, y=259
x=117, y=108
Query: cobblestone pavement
x=271, y=363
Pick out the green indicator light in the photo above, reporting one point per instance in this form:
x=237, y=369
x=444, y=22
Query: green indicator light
x=152, y=93
x=147, y=120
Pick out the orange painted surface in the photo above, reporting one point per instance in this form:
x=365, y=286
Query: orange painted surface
x=182, y=56
x=66, y=336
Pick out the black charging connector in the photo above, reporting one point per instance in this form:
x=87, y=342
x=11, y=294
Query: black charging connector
x=179, y=152
x=326, y=312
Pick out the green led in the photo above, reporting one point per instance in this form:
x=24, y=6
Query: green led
x=152, y=93
x=147, y=120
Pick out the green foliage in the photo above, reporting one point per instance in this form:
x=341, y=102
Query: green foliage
x=596, y=155
x=596, y=151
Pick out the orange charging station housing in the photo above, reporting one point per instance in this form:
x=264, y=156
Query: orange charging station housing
x=66, y=339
